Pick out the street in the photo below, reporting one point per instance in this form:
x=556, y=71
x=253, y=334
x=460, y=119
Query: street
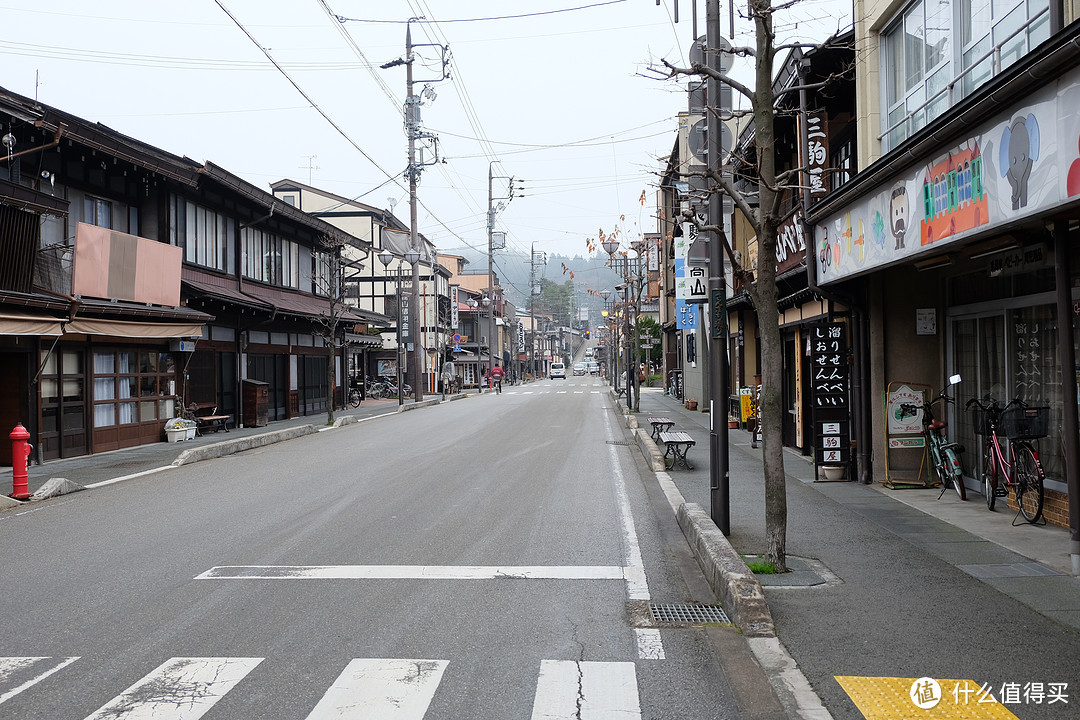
x=472, y=560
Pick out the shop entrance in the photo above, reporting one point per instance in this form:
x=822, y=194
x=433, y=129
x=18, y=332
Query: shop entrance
x=63, y=404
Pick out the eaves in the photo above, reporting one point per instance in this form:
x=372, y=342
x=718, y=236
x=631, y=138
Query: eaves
x=1047, y=62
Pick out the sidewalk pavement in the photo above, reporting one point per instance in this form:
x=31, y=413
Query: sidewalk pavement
x=1027, y=554
x=102, y=468
x=868, y=567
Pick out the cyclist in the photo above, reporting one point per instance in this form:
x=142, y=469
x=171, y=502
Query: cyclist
x=497, y=377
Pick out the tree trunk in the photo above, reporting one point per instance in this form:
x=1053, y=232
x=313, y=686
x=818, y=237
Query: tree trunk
x=765, y=293
x=331, y=394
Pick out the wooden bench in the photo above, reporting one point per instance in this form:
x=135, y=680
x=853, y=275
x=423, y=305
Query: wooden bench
x=676, y=446
x=207, y=418
x=660, y=425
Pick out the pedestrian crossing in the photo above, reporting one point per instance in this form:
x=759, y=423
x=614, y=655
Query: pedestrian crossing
x=186, y=688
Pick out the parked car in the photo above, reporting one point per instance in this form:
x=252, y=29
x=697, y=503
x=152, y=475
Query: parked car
x=558, y=370
x=579, y=368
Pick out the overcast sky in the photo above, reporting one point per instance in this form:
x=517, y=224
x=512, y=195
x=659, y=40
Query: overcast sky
x=556, y=98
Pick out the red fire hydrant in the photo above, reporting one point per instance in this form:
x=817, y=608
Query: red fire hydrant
x=20, y=461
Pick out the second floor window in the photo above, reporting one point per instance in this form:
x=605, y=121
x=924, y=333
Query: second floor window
x=205, y=235
x=97, y=212
x=270, y=259
x=935, y=42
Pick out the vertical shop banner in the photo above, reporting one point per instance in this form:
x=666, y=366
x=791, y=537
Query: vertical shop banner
x=829, y=392
x=404, y=317
x=686, y=313
x=453, y=307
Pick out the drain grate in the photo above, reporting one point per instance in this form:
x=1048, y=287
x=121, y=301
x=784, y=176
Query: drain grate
x=691, y=614
x=618, y=442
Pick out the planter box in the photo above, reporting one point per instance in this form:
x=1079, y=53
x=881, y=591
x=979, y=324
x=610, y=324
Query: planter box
x=176, y=435
x=190, y=433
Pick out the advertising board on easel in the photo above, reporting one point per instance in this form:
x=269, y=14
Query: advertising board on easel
x=905, y=444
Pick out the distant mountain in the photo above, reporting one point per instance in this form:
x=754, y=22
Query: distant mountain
x=512, y=269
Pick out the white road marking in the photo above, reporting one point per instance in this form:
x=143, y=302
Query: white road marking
x=415, y=572
x=13, y=669
x=637, y=585
x=568, y=690
x=395, y=689
x=649, y=644
x=180, y=689
x=103, y=483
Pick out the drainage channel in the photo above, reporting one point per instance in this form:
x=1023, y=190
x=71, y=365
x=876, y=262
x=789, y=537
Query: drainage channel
x=675, y=615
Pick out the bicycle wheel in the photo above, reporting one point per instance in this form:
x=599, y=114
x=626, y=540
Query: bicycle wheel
x=354, y=397
x=989, y=474
x=1029, y=483
x=949, y=473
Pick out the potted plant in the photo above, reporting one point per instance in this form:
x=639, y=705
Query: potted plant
x=691, y=404
x=733, y=421
x=180, y=429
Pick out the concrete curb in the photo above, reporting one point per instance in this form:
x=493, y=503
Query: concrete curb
x=7, y=503
x=739, y=591
x=787, y=679
x=56, y=486
x=650, y=450
x=228, y=447
x=418, y=405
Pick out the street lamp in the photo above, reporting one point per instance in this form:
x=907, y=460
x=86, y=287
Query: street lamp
x=605, y=294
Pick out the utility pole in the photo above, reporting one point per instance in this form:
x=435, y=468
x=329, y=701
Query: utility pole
x=491, y=212
x=719, y=499
x=412, y=122
x=414, y=133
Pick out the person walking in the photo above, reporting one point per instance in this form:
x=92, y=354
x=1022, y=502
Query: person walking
x=497, y=377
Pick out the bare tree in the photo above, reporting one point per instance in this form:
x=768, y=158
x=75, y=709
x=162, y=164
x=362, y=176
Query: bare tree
x=765, y=219
x=329, y=325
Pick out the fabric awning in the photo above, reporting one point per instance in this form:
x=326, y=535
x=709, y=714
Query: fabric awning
x=18, y=324
x=129, y=329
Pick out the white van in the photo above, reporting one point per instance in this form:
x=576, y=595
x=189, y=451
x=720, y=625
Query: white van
x=588, y=352
x=558, y=370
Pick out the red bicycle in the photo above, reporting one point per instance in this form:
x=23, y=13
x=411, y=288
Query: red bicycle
x=1019, y=466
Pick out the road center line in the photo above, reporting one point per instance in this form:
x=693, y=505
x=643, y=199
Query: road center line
x=415, y=572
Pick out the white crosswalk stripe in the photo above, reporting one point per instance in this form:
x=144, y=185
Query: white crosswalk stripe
x=19, y=673
x=186, y=688
x=180, y=689
x=569, y=690
x=393, y=689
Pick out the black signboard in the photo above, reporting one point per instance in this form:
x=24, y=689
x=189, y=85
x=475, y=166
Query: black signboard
x=829, y=392
x=404, y=317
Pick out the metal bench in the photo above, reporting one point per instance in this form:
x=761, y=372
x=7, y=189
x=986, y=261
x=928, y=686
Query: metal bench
x=212, y=422
x=660, y=425
x=676, y=445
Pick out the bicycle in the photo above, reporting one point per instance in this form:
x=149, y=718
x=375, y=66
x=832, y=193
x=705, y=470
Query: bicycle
x=377, y=389
x=944, y=455
x=355, y=397
x=1021, y=469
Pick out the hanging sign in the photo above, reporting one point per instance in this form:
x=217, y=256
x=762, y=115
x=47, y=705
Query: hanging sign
x=829, y=393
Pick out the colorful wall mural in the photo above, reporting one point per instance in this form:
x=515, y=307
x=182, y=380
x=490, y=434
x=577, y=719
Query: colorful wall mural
x=1012, y=167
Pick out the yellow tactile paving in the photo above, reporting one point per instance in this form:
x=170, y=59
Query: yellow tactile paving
x=888, y=698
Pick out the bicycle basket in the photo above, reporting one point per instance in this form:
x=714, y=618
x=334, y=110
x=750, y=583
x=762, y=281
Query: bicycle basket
x=981, y=418
x=1026, y=423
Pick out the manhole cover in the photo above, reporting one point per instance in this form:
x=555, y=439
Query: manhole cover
x=618, y=442
x=688, y=614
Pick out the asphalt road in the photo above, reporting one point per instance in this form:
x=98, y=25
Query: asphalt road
x=471, y=560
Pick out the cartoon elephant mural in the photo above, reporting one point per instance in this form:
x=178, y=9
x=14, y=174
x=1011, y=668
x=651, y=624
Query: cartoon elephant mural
x=1019, y=151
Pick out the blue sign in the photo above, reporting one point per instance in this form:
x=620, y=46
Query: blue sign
x=686, y=315
x=457, y=348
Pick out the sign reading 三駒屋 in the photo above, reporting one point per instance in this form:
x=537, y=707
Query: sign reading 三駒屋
x=829, y=393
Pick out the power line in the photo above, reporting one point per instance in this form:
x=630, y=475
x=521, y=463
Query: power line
x=499, y=17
